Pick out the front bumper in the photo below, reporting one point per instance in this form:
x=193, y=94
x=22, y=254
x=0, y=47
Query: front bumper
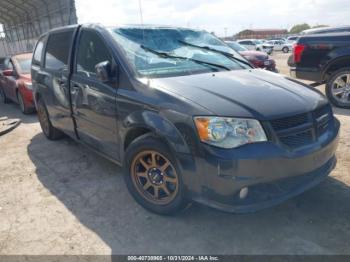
x=271, y=174
x=28, y=97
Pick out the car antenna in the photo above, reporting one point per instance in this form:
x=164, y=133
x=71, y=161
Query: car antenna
x=141, y=19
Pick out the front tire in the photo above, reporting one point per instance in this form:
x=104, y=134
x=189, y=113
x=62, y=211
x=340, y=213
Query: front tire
x=48, y=129
x=338, y=88
x=3, y=97
x=285, y=49
x=152, y=176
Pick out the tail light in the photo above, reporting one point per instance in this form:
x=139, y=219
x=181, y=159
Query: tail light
x=257, y=63
x=298, y=50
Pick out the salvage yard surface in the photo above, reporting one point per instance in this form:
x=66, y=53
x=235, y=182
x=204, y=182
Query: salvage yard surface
x=60, y=198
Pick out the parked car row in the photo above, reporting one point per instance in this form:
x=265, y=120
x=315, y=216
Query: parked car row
x=257, y=58
x=268, y=46
x=280, y=45
x=15, y=81
x=257, y=45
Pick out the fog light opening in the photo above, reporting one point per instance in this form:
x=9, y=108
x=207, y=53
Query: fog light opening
x=243, y=193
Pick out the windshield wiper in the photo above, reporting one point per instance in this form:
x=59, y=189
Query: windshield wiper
x=216, y=51
x=167, y=55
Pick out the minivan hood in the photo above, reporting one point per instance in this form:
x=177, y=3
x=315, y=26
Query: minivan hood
x=251, y=93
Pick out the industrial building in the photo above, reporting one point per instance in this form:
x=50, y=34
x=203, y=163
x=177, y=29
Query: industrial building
x=23, y=21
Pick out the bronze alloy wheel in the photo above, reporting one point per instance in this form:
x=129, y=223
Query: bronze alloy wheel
x=154, y=177
x=43, y=119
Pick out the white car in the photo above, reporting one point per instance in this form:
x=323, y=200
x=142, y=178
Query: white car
x=253, y=44
x=292, y=39
x=279, y=45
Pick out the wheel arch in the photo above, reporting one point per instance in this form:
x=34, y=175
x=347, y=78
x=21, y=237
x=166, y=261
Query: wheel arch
x=140, y=123
x=335, y=65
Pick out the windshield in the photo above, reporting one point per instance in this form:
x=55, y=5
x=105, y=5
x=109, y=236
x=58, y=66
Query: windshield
x=237, y=47
x=25, y=66
x=23, y=63
x=258, y=42
x=138, y=44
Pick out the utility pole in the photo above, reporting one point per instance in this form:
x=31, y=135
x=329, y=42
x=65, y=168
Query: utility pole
x=141, y=15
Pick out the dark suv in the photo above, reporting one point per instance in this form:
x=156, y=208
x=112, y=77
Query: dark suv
x=185, y=115
x=324, y=58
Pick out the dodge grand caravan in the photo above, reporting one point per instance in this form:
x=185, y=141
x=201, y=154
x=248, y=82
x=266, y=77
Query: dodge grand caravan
x=187, y=117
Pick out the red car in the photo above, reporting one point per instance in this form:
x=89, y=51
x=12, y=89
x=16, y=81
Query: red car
x=16, y=82
x=257, y=58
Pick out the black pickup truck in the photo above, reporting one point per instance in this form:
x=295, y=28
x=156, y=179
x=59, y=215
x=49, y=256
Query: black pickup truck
x=324, y=58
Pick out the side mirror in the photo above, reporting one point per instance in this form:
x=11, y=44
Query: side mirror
x=104, y=71
x=7, y=72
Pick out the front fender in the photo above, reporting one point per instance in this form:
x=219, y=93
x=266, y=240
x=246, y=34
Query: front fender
x=160, y=124
x=178, y=136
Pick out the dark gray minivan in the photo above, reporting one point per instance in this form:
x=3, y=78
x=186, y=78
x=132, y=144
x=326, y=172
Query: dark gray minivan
x=187, y=117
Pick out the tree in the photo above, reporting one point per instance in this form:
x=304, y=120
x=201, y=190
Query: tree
x=296, y=29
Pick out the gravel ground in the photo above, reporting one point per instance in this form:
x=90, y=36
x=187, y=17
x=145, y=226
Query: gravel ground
x=60, y=198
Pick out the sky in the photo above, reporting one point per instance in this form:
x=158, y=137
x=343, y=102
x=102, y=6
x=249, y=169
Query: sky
x=224, y=17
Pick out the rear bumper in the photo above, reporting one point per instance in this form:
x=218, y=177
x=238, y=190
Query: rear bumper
x=28, y=97
x=269, y=65
x=311, y=74
x=271, y=174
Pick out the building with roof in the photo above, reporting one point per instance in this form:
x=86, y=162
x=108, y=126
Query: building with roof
x=23, y=21
x=261, y=33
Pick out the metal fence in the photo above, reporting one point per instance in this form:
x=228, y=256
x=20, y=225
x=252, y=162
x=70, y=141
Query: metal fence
x=23, y=21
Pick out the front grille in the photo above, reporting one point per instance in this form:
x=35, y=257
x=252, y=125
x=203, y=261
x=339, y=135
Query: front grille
x=302, y=129
x=297, y=140
x=289, y=122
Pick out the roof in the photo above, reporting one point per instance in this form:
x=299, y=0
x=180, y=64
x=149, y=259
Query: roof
x=28, y=19
x=321, y=29
x=17, y=11
x=23, y=21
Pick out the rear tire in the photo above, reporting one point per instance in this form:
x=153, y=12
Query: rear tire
x=338, y=88
x=3, y=97
x=285, y=49
x=48, y=129
x=152, y=176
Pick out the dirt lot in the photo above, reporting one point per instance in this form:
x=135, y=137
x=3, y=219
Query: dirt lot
x=59, y=198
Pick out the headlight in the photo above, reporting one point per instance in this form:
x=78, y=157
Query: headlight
x=29, y=85
x=229, y=132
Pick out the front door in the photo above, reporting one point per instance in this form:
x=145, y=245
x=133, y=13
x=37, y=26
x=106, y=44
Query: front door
x=94, y=102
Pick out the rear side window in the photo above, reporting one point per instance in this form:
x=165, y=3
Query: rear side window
x=91, y=51
x=38, y=52
x=57, y=50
